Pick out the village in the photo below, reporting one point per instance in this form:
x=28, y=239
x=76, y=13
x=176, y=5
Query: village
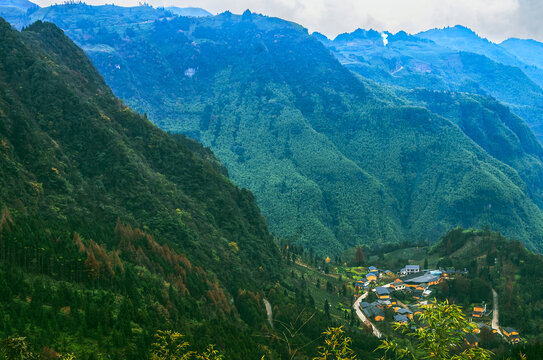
x=384, y=296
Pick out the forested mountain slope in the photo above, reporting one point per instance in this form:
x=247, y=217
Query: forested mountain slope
x=110, y=228
x=527, y=50
x=465, y=63
x=333, y=161
x=461, y=38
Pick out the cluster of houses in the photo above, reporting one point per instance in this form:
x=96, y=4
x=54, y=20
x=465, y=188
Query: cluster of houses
x=510, y=334
x=411, y=280
x=479, y=311
x=372, y=277
x=418, y=283
x=375, y=311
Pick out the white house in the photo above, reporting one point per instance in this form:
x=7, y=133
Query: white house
x=410, y=269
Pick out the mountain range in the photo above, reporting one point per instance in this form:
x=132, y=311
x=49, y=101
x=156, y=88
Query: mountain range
x=450, y=59
x=333, y=159
x=170, y=169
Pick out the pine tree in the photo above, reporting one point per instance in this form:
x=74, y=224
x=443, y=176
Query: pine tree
x=327, y=308
x=359, y=257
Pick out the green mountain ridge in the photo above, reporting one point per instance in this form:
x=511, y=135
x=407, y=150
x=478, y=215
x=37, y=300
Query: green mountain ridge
x=130, y=229
x=333, y=160
x=527, y=50
x=454, y=60
x=507, y=266
x=463, y=39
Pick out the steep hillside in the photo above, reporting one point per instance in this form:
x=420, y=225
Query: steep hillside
x=528, y=51
x=426, y=61
x=463, y=39
x=17, y=11
x=492, y=126
x=110, y=228
x=507, y=266
x=331, y=162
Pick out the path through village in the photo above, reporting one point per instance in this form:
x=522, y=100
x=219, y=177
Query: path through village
x=362, y=317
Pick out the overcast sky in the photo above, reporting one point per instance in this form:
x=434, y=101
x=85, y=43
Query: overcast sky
x=493, y=19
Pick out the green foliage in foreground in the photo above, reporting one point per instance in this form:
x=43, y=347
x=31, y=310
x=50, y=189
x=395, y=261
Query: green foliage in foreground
x=171, y=345
x=441, y=336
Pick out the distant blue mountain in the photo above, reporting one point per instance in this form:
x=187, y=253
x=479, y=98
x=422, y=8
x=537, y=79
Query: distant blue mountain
x=189, y=11
x=20, y=4
x=359, y=34
x=320, y=37
x=450, y=59
x=461, y=38
x=528, y=51
x=16, y=12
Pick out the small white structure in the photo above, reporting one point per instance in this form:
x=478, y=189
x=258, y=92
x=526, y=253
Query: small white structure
x=410, y=269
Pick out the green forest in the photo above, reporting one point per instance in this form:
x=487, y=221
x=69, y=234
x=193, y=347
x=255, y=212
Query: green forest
x=111, y=228
x=140, y=236
x=332, y=159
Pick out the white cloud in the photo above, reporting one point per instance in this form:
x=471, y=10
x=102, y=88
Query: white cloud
x=494, y=19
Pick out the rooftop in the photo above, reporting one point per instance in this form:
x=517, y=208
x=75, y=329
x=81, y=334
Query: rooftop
x=382, y=290
x=372, y=311
x=426, y=278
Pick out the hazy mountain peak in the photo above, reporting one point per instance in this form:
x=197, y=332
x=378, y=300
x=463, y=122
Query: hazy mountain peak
x=455, y=33
x=359, y=34
x=527, y=50
x=21, y=4
x=320, y=37
x=189, y=11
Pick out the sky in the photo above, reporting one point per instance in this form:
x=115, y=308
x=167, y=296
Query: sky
x=496, y=20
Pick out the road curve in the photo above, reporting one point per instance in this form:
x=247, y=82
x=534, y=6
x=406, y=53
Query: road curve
x=361, y=316
x=269, y=312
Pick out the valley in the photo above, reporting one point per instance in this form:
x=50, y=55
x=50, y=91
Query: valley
x=333, y=160
x=176, y=184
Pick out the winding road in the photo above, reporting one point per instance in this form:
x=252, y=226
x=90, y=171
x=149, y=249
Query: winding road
x=361, y=316
x=495, y=313
x=269, y=312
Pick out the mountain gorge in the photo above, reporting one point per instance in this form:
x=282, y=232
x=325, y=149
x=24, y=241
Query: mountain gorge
x=334, y=160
